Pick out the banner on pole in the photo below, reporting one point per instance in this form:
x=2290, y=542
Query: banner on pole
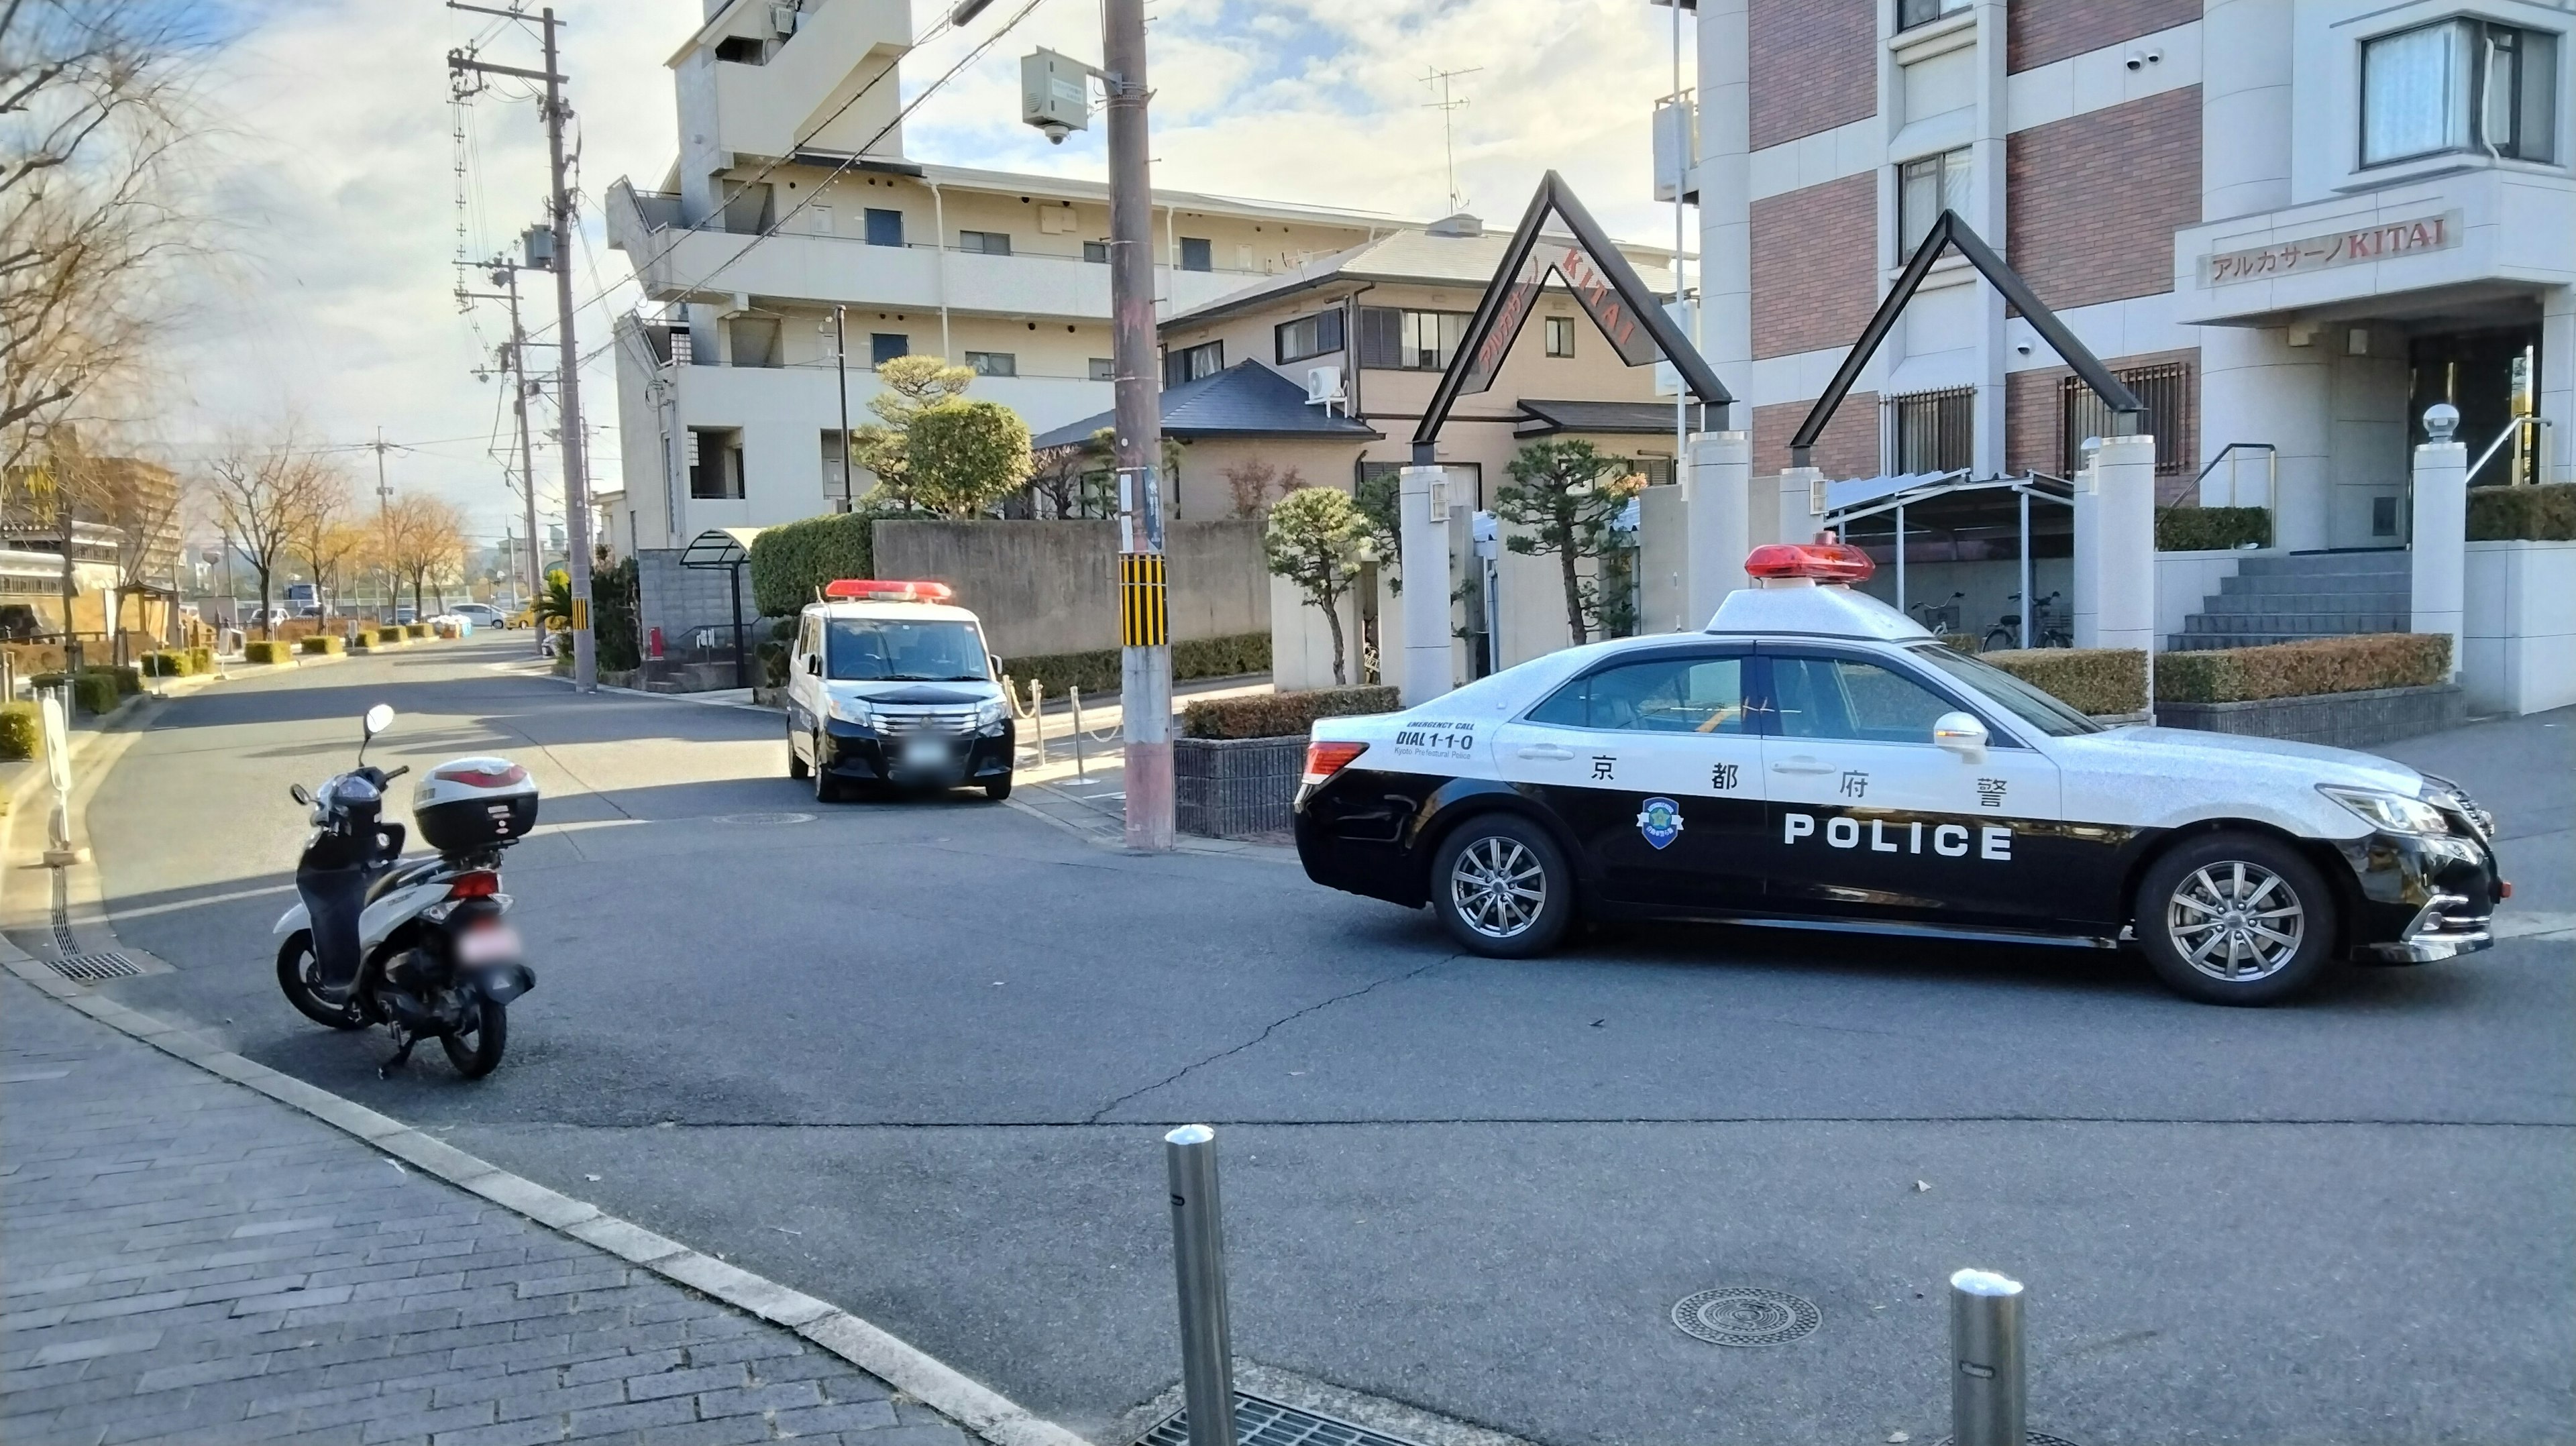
x=1144, y=610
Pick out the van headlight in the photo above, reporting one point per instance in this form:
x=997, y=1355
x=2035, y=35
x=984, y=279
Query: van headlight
x=990, y=714
x=850, y=710
x=2394, y=812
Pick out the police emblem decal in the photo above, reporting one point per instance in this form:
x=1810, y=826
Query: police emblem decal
x=1661, y=822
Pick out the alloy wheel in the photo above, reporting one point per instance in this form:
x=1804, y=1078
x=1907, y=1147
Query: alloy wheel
x=1498, y=887
x=2235, y=921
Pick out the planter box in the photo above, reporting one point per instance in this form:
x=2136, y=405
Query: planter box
x=2341, y=720
x=1236, y=787
x=2518, y=626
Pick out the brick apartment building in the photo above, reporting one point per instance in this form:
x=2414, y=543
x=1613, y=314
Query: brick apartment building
x=2293, y=223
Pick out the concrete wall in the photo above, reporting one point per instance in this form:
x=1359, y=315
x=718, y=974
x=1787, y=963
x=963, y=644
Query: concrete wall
x=1051, y=587
x=676, y=599
x=2518, y=643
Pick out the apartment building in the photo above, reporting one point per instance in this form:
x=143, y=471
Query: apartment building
x=2291, y=225
x=791, y=198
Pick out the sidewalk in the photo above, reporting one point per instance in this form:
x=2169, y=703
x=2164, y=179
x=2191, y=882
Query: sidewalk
x=191, y=1261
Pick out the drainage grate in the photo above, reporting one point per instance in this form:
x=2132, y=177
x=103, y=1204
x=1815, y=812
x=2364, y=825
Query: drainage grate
x=1744, y=1316
x=110, y=965
x=1267, y=1423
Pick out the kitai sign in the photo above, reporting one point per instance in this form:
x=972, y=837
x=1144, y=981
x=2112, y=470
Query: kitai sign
x=2377, y=242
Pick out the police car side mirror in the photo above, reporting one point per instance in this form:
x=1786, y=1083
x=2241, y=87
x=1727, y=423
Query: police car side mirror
x=994, y=661
x=814, y=664
x=1962, y=734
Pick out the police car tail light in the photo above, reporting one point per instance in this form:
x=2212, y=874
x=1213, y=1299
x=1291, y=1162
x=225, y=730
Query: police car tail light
x=1323, y=759
x=863, y=589
x=1815, y=561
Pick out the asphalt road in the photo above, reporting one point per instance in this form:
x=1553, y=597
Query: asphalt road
x=916, y=1058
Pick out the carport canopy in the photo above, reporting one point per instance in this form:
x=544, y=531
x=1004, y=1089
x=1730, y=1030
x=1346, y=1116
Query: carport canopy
x=720, y=547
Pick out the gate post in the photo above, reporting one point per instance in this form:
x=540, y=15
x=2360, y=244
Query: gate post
x=2115, y=546
x=1720, y=520
x=1802, y=509
x=1423, y=519
x=2438, y=542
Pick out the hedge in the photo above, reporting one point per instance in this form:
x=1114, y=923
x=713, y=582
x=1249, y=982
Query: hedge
x=2299, y=670
x=1097, y=671
x=1282, y=715
x=20, y=734
x=201, y=660
x=167, y=665
x=2088, y=680
x=129, y=679
x=417, y=630
x=791, y=560
x=94, y=691
x=2211, y=529
x=265, y=651
x=616, y=616
x=322, y=643
x=2523, y=514
x=386, y=636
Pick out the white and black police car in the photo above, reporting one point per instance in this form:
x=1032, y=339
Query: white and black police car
x=1816, y=759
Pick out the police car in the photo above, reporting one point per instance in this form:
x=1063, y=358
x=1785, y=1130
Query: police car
x=1816, y=759
x=889, y=684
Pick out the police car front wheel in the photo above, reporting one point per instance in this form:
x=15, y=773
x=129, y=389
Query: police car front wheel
x=2235, y=918
x=1502, y=887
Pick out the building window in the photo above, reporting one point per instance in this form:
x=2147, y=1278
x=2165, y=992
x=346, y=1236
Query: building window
x=1924, y=189
x=990, y=243
x=1197, y=254
x=885, y=346
x=1409, y=340
x=1096, y=252
x=1310, y=336
x=2459, y=85
x=1104, y=369
x=715, y=463
x=1658, y=471
x=1910, y=13
x=885, y=228
x=1931, y=431
x=994, y=363
x=742, y=50
x=1193, y=362
x=2165, y=389
x=754, y=341
x=1560, y=336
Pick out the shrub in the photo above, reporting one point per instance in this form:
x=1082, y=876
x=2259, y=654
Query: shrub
x=128, y=679
x=321, y=644
x=1226, y=657
x=771, y=654
x=2211, y=529
x=168, y=664
x=417, y=630
x=1281, y=715
x=264, y=651
x=2298, y=670
x=2523, y=514
x=2088, y=680
x=201, y=660
x=789, y=561
x=94, y=691
x=20, y=734
x=616, y=611
x=1097, y=671
x=388, y=636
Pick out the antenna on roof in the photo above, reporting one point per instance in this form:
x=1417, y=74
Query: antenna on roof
x=1448, y=141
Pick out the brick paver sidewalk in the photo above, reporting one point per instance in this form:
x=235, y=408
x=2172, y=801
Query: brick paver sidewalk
x=186, y=1260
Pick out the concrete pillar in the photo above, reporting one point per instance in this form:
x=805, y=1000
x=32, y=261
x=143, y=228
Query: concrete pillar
x=1802, y=491
x=2558, y=384
x=2263, y=384
x=1423, y=520
x=2439, y=552
x=2115, y=546
x=1719, y=519
x=1725, y=189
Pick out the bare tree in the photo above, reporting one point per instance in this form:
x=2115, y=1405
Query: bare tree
x=261, y=493
x=322, y=533
x=425, y=542
x=95, y=116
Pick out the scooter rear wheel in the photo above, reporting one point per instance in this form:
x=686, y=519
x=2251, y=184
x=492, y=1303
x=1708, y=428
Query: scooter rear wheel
x=296, y=966
x=478, y=1053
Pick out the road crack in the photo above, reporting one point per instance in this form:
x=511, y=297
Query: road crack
x=1100, y=1115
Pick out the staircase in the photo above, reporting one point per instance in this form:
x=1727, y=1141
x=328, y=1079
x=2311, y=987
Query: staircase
x=2292, y=597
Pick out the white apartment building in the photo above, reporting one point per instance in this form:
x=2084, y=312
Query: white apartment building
x=791, y=196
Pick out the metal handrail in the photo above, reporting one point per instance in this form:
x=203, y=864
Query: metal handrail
x=2227, y=454
x=2507, y=435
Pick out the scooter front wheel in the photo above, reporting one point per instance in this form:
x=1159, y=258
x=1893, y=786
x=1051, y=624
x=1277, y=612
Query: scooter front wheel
x=296, y=971
x=477, y=1052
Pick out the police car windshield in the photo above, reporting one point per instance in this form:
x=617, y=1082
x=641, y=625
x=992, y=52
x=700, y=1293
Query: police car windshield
x=2025, y=702
x=887, y=650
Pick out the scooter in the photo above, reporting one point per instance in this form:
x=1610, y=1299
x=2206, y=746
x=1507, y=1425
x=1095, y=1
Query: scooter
x=424, y=948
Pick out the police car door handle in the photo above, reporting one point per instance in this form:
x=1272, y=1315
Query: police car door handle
x=1801, y=765
x=1547, y=751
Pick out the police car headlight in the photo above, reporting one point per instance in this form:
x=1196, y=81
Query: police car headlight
x=851, y=710
x=2394, y=812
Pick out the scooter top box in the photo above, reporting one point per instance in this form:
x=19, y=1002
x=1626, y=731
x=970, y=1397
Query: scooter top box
x=474, y=803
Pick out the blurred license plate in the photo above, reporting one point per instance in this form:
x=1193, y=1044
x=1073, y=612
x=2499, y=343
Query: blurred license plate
x=498, y=944
x=924, y=753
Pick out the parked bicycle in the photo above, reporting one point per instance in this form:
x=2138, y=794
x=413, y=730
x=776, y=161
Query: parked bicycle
x=2046, y=629
x=1940, y=620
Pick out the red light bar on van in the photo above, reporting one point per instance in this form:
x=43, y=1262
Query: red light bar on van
x=862, y=589
x=1823, y=561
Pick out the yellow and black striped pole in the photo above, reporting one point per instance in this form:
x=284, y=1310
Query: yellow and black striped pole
x=1144, y=610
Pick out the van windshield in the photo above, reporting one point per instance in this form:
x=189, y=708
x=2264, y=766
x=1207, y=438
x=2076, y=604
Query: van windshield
x=871, y=650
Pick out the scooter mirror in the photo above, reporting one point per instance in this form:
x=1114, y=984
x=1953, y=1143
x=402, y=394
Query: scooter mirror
x=296, y=792
x=379, y=718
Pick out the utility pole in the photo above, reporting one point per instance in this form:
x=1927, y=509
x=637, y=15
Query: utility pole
x=1145, y=658
x=555, y=111
x=514, y=366
x=841, y=366
x=384, y=526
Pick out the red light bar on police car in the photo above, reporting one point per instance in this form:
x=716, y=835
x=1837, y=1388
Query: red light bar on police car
x=861, y=589
x=1823, y=561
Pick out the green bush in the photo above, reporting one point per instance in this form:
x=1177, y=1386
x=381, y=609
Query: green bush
x=2088, y=680
x=171, y=663
x=322, y=644
x=21, y=736
x=1097, y=671
x=1280, y=715
x=1226, y=657
x=201, y=660
x=265, y=651
x=2523, y=514
x=2299, y=670
x=94, y=691
x=2211, y=529
x=129, y=679
x=789, y=561
x=771, y=654
x=616, y=616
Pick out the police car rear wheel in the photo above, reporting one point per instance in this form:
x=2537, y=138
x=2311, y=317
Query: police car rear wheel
x=1502, y=888
x=2235, y=919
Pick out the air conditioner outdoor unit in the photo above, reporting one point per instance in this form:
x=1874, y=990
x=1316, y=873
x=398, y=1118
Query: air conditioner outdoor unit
x=782, y=17
x=1323, y=386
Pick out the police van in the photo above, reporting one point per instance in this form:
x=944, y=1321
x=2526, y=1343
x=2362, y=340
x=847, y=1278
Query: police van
x=1816, y=759
x=889, y=684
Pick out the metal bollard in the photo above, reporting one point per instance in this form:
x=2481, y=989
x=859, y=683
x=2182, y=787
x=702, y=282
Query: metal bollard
x=1076, y=695
x=1988, y=1392
x=1198, y=1266
x=1037, y=716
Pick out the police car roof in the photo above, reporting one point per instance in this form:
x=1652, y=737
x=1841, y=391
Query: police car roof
x=1801, y=605
x=892, y=611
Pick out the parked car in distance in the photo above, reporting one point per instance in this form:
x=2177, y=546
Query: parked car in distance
x=481, y=615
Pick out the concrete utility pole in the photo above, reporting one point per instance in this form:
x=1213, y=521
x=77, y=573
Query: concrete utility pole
x=554, y=110
x=514, y=366
x=384, y=523
x=1145, y=660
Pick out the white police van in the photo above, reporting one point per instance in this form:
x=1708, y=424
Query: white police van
x=890, y=685
x=1816, y=759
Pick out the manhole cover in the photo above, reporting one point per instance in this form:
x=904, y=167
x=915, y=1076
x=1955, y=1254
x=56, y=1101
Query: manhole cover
x=109, y=965
x=760, y=820
x=1267, y=1423
x=1744, y=1316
